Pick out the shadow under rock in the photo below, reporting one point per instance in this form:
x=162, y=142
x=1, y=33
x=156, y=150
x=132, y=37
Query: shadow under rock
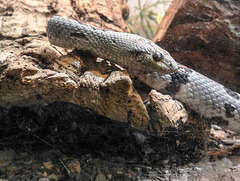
x=78, y=131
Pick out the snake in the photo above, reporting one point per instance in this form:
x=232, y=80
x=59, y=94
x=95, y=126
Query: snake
x=200, y=93
x=125, y=49
x=152, y=65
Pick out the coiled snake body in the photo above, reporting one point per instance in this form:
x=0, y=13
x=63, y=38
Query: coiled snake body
x=152, y=65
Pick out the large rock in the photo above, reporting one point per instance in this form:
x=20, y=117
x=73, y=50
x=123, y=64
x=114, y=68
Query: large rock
x=33, y=71
x=204, y=35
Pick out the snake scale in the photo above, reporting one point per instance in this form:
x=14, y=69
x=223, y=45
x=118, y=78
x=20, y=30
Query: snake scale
x=152, y=65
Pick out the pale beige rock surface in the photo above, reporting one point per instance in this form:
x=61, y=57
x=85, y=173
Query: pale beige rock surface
x=166, y=112
x=33, y=71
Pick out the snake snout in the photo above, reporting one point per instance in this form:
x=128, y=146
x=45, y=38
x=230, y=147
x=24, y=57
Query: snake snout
x=171, y=64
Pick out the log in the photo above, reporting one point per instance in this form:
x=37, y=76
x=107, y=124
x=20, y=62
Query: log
x=204, y=35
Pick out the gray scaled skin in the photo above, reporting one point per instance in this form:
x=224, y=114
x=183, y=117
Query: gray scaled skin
x=125, y=49
x=201, y=94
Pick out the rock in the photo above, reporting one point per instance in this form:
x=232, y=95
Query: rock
x=183, y=177
x=100, y=177
x=109, y=176
x=166, y=112
x=204, y=35
x=45, y=174
x=34, y=72
x=49, y=165
x=43, y=179
x=74, y=167
x=125, y=9
x=6, y=157
x=140, y=138
x=225, y=163
x=53, y=176
x=218, y=134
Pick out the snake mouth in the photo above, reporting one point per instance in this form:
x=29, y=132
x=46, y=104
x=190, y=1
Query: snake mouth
x=170, y=66
x=167, y=62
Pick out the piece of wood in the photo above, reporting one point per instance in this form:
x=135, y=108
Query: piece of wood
x=204, y=35
x=167, y=20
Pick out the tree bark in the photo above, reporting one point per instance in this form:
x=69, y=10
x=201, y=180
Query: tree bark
x=204, y=35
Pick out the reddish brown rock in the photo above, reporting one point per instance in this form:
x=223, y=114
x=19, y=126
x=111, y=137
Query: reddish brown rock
x=204, y=35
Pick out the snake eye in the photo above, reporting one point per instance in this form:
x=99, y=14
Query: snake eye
x=157, y=56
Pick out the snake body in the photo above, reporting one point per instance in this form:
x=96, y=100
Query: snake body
x=201, y=94
x=152, y=65
x=125, y=49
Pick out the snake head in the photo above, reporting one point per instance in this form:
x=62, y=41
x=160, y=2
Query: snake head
x=156, y=61
x=150, y=57
x=163, y=61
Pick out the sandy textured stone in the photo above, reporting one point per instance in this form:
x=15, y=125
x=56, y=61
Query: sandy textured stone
x=73, y=167
x=23, y=81
x=166, y=112
x=33, y=71
x=6, y=157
